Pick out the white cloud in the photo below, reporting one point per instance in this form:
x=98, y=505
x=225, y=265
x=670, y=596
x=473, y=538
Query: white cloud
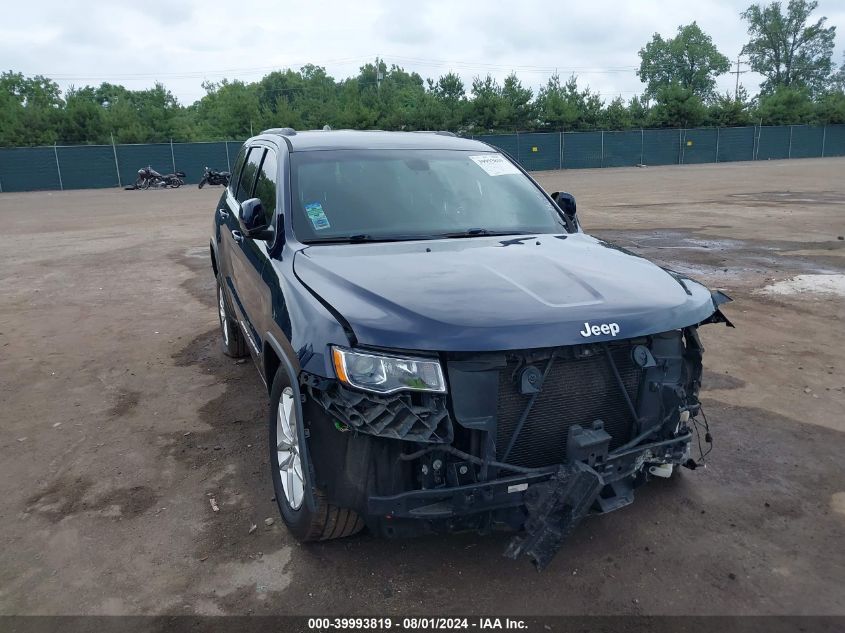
x=183, y=43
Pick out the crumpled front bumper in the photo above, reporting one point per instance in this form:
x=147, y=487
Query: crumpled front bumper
x=552, y=502
x=510, y=491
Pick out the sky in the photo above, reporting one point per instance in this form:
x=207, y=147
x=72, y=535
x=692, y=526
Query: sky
x=182, y=43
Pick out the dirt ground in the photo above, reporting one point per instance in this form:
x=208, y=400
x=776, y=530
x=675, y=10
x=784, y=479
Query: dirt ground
x=121, y=419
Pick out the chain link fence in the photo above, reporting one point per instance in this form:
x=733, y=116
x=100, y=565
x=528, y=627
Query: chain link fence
x=97, y=166
x=580, y=150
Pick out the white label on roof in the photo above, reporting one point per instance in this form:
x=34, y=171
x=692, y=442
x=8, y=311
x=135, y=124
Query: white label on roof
x=495, y=164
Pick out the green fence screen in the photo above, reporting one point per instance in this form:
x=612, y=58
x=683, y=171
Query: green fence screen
x=833, y=143
x=806, y=141
x=623, y=149
x=582, y=150
x=736, y=143
x=97, y=166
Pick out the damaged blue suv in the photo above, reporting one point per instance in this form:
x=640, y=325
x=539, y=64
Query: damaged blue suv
x=444, y=347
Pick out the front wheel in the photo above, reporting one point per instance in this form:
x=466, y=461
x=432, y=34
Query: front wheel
x=291, y=480
x=202, y=183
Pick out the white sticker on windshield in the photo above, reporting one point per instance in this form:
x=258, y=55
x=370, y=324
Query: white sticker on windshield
x=495, y=164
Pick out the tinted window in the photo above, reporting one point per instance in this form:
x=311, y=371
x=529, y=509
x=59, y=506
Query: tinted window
x=265, y=188
x=239, y=162
x=250, y=170
x=414, y=193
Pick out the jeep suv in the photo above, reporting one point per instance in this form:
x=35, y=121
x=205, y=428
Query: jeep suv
x=443, y=346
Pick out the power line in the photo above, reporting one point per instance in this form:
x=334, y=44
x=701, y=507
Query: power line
x=422, y=61
x=196, y=74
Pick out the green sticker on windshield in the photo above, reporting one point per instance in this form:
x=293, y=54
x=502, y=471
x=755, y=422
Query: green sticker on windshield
x=317, y=216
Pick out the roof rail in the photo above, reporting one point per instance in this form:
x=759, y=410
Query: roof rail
x=438, y=132
x=284, y=131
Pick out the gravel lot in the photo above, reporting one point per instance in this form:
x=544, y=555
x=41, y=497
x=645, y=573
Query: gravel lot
x=120, y=419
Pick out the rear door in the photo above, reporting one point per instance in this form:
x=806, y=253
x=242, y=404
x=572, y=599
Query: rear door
x=238, y=278
x=224, y=221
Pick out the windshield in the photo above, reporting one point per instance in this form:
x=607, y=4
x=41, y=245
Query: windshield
x=414, y=194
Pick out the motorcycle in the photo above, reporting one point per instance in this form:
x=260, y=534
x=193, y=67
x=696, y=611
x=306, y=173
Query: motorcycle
x=174, y=180
x=213, y=177
x=149, y=177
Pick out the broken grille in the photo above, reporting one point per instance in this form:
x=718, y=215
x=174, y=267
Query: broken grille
x=576, y=391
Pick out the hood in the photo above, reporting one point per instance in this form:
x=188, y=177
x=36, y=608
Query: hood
x=494, y=293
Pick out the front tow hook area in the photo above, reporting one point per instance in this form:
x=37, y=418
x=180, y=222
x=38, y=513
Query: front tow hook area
x=555, y=507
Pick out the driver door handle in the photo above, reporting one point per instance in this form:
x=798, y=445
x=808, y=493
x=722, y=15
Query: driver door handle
x=224, y=215
x=238, y=236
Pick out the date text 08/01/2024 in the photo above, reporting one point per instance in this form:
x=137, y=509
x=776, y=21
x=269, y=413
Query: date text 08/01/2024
x=416, y=623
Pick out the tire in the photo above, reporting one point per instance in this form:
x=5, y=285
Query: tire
x=327, y=521
x=231, y=337
x=202, y=183
x=176, y=183
x=139, y=184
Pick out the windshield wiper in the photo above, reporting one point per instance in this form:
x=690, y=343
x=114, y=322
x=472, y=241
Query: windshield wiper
x=341, y=239
x=361, y=238
x=480, y=233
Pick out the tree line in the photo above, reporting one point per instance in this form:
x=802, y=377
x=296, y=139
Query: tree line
x=787, y=46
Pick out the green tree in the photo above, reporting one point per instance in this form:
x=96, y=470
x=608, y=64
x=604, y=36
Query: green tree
x=729, y=110
x=830, y=109
x=229, y=110
x=838, y=79
x=638, y=111
x=616, y=115
x=83, y=119
x=34, y=108
x=561, y=106
x=450, y=100
x=786, y=105
x=518, y=110
x=787, y=49
x=487, y=106
x=690, y=60
x=12, y=130
x=677, y=106
x=317, y=103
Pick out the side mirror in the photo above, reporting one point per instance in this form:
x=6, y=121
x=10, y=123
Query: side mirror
x=566, y=202
x=253, y=222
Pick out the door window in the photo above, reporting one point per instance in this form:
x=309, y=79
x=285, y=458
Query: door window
x=246, y=182
x=236, y=171
x=265, y=187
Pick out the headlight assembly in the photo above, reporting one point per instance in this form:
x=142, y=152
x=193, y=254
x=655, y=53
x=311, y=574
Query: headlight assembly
x=387, y=374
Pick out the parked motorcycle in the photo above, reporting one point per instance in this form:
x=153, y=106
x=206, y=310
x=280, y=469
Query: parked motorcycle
x=214, y=177
x=174, y=180
x=149, y=177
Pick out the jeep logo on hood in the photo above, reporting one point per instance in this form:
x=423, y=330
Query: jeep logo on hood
x=595, y=330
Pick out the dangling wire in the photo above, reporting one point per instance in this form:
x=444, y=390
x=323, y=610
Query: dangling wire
x=707, y=437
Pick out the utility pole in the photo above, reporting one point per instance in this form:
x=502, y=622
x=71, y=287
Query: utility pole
x=737, y=72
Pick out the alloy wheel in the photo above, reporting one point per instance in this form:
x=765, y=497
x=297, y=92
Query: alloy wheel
x=287, y=447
